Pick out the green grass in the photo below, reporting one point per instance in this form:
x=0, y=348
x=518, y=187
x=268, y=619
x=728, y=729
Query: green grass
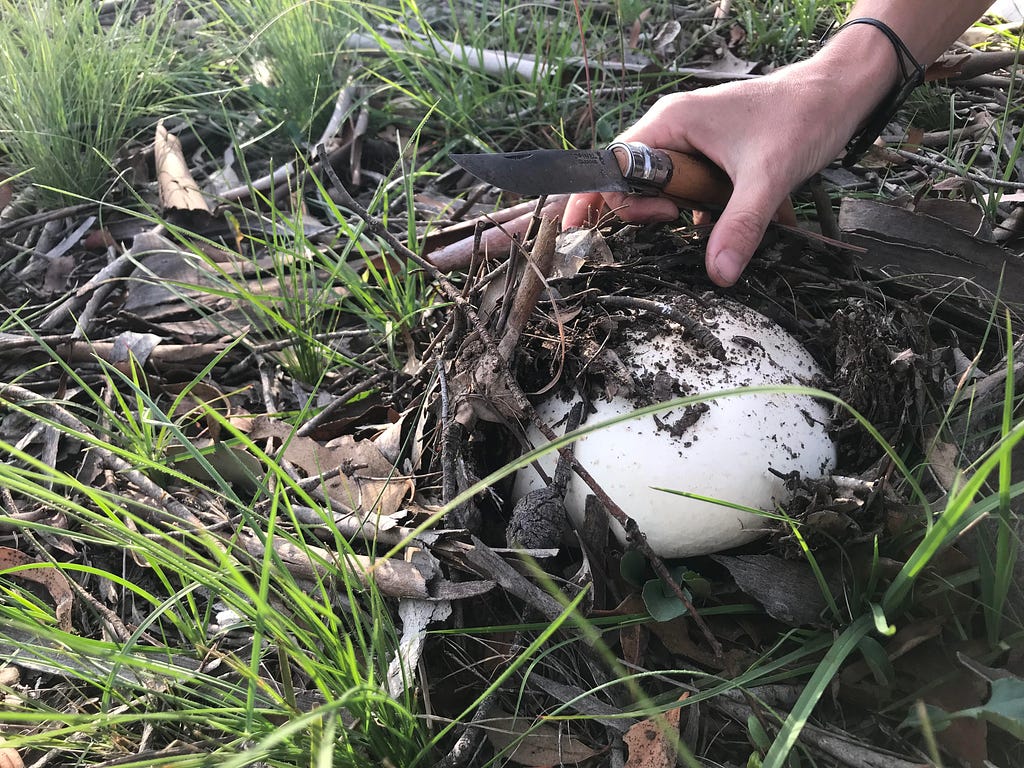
x=73, y=92
x=784, y=31
x=286, y=54
x=229, y=644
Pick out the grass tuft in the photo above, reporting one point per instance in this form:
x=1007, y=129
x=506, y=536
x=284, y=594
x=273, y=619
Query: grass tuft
x=74, y=90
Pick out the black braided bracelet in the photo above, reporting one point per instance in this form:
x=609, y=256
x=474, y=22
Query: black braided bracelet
x=912, y=76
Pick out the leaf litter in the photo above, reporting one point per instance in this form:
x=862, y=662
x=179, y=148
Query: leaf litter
x=902, y=322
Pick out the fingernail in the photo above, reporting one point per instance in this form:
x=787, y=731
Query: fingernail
x=728, y=266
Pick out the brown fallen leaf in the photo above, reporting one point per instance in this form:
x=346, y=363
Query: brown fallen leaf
x=178, y=190
x=56, y=583
x=533, y=744
x=650, y=746
x=633, y=639
x=367, y=482
x=9, y=757
x=787, y=589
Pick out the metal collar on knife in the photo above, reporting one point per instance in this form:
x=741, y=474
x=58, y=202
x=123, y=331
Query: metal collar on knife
x=646, y=171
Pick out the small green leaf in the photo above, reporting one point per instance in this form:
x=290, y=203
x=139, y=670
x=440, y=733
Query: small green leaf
x=938, y=718
x=1005, y=707
x=633, y=567
x=758, y=737
x=882, y=626
x=661, y=601
x=878, y=661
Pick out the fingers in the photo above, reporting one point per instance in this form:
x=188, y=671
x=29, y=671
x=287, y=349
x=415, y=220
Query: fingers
x=657, y=128
x=585, y=210
x=582, y=210
x=739, y=231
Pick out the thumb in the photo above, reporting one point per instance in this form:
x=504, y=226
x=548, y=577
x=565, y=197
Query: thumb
x=739, y=231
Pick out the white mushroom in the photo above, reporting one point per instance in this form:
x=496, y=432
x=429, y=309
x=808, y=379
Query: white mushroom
x=722, y=449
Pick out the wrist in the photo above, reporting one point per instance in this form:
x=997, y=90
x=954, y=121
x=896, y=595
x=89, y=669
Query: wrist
x=911, y=75
x=862, y=67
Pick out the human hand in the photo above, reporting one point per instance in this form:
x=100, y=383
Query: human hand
x=768, y=135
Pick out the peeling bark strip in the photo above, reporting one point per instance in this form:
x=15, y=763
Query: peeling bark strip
x=496, y=240
x=48, y=575
x=178, y=190
x=926, y=251
x=538, y=267
x=393, y=578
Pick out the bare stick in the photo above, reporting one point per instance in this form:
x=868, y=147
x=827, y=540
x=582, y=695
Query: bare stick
x=538, y=267
x=12, y=393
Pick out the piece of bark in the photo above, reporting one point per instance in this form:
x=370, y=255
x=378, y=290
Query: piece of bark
x=480, y=559
x=787, y=589
x=538, y=268
x=964, y=66
x=394, y=578
x=927, y=254
x=494, y=242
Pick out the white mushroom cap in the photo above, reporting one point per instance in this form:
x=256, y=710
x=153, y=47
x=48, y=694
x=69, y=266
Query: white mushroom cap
x=725, y=453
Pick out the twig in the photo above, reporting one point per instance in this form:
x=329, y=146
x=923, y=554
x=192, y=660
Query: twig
x=342, y=107
x=538, y=267
x=823, y=207
x=277, y=177
x=449, y=484
x=980, y=178
x=635, y=536
x=363, y=386
x=11, y=393
x=701, y=333
x=44, y=217
x=460, y=254
x=469, y=742
x=279, y=344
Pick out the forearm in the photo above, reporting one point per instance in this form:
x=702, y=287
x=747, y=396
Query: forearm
x=771, y=133
x=860, y=65
x=926, y=26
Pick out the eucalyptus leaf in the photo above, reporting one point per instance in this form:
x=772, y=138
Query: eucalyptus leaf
x=661, y=601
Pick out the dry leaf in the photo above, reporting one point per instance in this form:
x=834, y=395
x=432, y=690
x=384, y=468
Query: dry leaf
x=664, y=42
x=178, y=190
x=56, y=583
x=787, y=589
x=649, y=744
x=9, y=758
x=367, y=482
x=633, y=640
x=139, y=346
x=578, y=247
x=533, y=744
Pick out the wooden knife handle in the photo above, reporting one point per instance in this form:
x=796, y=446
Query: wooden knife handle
x=693, y=182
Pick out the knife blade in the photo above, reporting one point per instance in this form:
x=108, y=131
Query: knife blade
x=623, y=167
